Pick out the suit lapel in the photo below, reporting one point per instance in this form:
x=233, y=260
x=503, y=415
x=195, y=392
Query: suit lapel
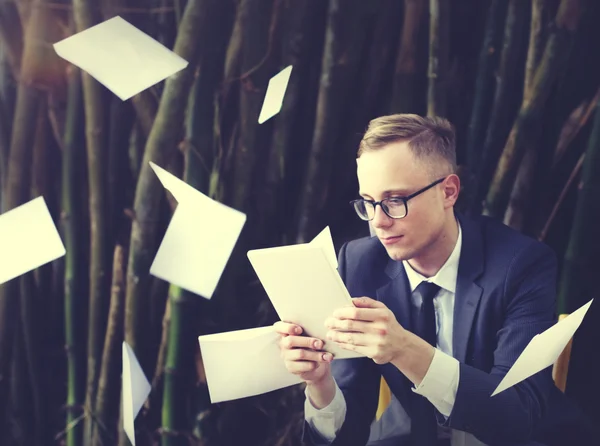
x=468, y=292
x=396, y=293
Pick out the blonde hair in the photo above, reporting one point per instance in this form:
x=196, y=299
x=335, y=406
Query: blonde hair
x=430, y=139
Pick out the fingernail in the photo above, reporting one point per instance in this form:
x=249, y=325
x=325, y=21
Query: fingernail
x=327, y=357
x=317, y=344
x=297, y=330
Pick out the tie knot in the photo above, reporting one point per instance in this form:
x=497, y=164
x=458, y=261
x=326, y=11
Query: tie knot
x=427, y=290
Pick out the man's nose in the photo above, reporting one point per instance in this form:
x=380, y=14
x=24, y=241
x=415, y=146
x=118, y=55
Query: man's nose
x=380, y=219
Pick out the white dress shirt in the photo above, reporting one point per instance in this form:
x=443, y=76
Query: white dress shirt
x=440, y=383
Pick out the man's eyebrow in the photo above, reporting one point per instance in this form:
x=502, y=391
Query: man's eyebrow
x=398, y=191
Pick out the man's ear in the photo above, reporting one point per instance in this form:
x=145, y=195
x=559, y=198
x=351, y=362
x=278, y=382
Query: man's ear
x=451, y=189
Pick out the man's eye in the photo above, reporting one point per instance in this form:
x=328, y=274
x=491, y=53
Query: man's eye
x=395, y=200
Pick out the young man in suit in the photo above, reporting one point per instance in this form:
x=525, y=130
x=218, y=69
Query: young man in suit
x=448, y=305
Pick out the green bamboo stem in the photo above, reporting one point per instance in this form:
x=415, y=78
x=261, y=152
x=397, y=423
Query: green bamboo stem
x=11, y=33
x=160, y=145
x=107, y=398
x=410, y=82
x=538, y=32
x=86, y=15
x=485, y=83
x=527, y=122
x=74, y=262
x=577, y=281
x=439, y=47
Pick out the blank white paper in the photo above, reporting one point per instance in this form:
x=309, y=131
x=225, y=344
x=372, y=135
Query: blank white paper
x=544, y=349
x=136, y=389
x=325, y=241
x=304, y=288
x=29, y=239
x=244, y=363
x=121, y=57
x=199, y=239
x=275, y=93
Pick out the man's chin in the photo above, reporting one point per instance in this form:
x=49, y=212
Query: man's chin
x=397, y=254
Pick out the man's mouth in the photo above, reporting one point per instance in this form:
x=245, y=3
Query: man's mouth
x=390, y=239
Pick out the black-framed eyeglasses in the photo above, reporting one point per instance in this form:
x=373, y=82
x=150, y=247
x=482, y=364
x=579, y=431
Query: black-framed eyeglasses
x=393, y=207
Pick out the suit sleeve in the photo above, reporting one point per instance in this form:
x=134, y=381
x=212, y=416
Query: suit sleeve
x=358, y=379
x=512, y=416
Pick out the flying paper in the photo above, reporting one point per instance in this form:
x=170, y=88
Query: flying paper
x=199, y=239
x=121, y=57
x=28, y=238
x=304, y=287
x=136, y=389
x=275, y=93
x=544, y=349
x=244, y=363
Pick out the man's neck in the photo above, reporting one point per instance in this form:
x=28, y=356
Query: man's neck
x=435, y=255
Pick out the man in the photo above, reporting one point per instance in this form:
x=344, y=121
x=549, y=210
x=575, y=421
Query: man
x=448, y=305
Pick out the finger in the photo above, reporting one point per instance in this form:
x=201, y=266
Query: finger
x=348, y=325
x=342, y=337
x=299, y=367
x=285, y=328
x=359, y=314
x=291, y=342
x=367, y=302
x=301, y=354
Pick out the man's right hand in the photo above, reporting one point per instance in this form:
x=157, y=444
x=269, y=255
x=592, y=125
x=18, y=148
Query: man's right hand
x=304, y=356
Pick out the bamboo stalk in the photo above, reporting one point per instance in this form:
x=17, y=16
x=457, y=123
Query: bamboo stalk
x=339, y=67
x=538, y=32
x=439, y=47
x=502, y=110
x=86, y=15
x=410, y=81
x=70, y=224
x=485, y=83
x=528, y=120
x=577, y=281
x=11, y=34
x=258, y=20
x=161, y=143
x=17, y=186
x=107, y=399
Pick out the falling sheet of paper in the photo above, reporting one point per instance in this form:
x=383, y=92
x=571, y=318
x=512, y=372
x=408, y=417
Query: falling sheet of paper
x=29, y=239
x=136, y=389
x=275, y=94
x=304, y=288
x=543, y=350
x=121, y=57
x=244, y=363
x=199, y=239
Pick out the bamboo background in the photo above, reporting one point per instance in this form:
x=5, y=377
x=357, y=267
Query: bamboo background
x=518, y=78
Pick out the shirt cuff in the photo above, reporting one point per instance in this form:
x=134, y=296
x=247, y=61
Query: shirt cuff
x=328, y=420
x=440, y=383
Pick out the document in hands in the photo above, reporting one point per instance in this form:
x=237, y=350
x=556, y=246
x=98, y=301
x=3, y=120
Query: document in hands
x=121, y=57
x=543, y=350
x=136, y=389
x=304, y=287
x=199, y=239
x=29, y=239
x=244, y=363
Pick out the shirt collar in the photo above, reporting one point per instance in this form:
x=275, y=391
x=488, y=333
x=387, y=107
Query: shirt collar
x=447, y=274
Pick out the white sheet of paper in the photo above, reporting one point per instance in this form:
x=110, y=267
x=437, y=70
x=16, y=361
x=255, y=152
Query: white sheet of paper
x=243, y=363
x=121, y=57
x=199, y=239
x=304, y=288
x=29, y=239
x=543, y=350
x=136, y=389
x=275, y=94
x=325, y=241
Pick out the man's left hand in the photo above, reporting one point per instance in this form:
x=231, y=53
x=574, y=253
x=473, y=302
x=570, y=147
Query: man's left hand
x=369, y=328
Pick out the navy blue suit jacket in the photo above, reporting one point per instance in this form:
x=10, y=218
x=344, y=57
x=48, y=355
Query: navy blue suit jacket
x=505, y=295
